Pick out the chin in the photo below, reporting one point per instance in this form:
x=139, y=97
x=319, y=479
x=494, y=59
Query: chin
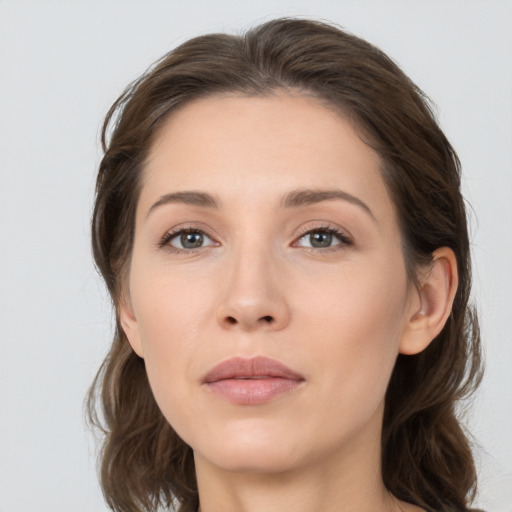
x=251, y=451
x=253, y=461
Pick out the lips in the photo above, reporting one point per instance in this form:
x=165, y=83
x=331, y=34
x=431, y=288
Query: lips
x=251, y=381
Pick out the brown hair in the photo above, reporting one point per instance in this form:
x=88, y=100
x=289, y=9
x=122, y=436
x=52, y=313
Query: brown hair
x=426, y=456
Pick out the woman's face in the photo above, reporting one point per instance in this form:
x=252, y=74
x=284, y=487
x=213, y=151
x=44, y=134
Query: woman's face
x=264, y=230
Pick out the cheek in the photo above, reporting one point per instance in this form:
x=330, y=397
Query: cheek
x=170, y=309
x=357, y=329
x=174, y=315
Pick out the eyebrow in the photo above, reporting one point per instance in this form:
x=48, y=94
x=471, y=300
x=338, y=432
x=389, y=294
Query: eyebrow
x=303, y=197
x=192, y=198
x=293, y=199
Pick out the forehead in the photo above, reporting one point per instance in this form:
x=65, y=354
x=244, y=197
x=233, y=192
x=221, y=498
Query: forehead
x=236, y=146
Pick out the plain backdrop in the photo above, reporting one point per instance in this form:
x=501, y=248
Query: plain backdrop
x=62, y=63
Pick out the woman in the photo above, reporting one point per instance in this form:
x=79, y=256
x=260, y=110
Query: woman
x=279, y=222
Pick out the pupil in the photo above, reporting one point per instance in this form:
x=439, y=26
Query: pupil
x=191, y=240
x=321, y=239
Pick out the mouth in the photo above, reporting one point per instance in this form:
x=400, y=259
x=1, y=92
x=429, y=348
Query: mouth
x=251, y=381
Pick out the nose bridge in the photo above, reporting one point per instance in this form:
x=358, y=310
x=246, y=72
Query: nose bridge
x=251, y=273
x=254, y=296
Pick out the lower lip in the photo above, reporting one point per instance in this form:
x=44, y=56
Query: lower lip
x=252, y=391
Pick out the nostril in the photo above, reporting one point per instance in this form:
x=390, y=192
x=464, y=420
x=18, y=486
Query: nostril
x=231, y=320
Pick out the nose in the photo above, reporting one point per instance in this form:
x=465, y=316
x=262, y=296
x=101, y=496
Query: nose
x=254, y=297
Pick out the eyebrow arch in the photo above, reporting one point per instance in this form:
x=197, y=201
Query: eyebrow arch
x=192, y=198
x=303, y=197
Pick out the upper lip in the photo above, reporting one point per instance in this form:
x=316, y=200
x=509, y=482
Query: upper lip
x=255, y=367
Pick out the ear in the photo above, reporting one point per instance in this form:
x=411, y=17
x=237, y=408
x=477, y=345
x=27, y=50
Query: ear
x=130, y=325
x=436, y=293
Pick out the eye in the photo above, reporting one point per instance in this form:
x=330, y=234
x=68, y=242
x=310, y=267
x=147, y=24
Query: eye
x=187, y=239
x=323, y=238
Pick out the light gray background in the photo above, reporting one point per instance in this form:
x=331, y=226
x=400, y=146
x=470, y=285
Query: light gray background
x=62, y=63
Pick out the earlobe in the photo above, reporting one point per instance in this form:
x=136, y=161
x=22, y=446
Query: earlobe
x=130, y=325
x=436, y=294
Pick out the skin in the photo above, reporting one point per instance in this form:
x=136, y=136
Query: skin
x=338, y=315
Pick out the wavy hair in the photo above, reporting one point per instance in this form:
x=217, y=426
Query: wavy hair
x=426, y=454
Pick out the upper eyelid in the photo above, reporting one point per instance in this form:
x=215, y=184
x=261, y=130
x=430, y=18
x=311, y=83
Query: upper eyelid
x=334, y=228
x=189, y=226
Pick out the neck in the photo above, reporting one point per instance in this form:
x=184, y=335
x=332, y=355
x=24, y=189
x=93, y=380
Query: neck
x=311, y=492
x=345, y=480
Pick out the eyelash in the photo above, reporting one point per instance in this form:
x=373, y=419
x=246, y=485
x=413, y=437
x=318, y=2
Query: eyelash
x=165, y=241
x=345, y=241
